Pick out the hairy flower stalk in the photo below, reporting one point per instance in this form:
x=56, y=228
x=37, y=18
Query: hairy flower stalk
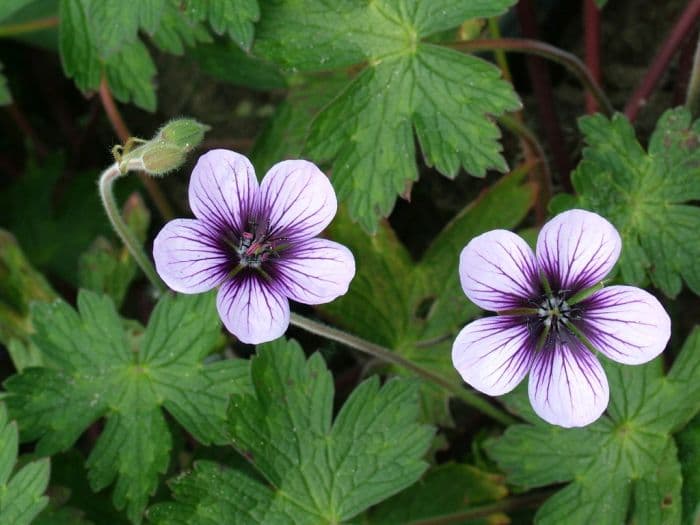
x=255, y=242
x=554, y=317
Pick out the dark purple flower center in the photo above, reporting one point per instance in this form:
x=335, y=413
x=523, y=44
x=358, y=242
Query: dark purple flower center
x=254, y=250
x=554, y=312
x=553, y=319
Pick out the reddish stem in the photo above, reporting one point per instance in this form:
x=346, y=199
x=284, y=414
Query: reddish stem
x=591, y=24
x=28, y=27
x=684, y=25
x=535, y=47
x=542, y=87
x=122, y=131
x=115, y=118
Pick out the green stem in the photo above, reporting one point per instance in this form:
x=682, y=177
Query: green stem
x=28, y=27
x=499, y=54
x=692, y=99
x=505, y=505
x=106, y=183
x=535, y=47
x=388, y=356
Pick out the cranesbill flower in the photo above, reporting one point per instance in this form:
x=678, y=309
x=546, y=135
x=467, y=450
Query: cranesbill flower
x=554, y=317
x=256, y=242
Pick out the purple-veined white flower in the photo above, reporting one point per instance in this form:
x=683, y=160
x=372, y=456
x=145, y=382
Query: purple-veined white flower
x=554, y=316
x=256, y=242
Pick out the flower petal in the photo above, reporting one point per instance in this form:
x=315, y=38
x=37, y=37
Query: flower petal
x=626, y=323
x=577, y=249
x=498, y=271
x=252, y=310
x=315, y=271
x=568, y=386
x=298, y=199
x=188, y=257
x=493, y=354
x=223, y=189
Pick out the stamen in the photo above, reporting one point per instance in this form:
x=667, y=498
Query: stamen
x=255, y=246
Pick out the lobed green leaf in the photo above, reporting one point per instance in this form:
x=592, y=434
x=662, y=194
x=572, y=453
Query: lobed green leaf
x=626, y=461
x=647, y=196
x=399, y=303
x=318, y=471
x=22, y=494
x=367, y=132
x=95, y=368
x=235, y=17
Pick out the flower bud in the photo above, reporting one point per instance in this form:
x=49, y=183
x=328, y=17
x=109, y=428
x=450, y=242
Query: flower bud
x=160, y=157
x=168, y=150
x=184, y=133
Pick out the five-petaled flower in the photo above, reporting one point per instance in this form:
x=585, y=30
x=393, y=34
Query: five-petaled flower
x=554, y=316
x=255, y=242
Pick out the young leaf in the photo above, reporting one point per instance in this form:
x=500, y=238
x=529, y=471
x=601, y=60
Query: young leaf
x=235, y=17
x=94, y=368
x=648, y=196
x=626, y=459
x=367, y=131
x=318, y=471
x=22, y=494
x=398, y=303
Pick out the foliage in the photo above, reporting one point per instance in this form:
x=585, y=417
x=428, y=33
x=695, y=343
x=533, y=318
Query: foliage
x=95, y=368
x=400, y=304
x=100, y=37
x=625, y=461
x=52, y=225
x=367, y=131
x=648, y=195
x=21, y=493
x=319, y=472
x=689, y=457
x=134, y=404
x=20, y=285
x=446, y=489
